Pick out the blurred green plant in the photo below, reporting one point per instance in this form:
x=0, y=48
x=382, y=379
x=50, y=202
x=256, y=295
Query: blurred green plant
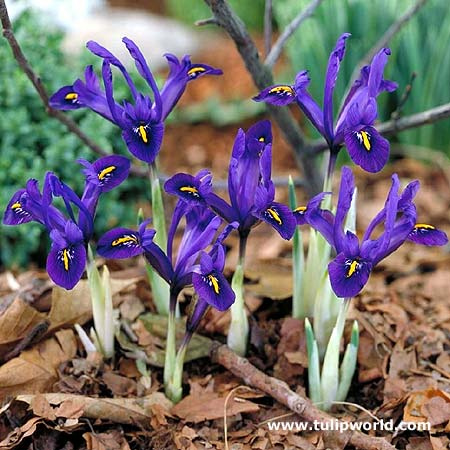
x=421, y=47
x=189, y=11
x=31, y=142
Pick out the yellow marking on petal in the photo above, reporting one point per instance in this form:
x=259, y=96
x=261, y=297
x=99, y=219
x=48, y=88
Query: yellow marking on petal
x=123, y=240
x=195, y=70
x=66, y=259
x=282, y=90
x=300, y=209
x=16, y=205
x=214, y=282
x=143, y=133
x=275, y=216
x=352, y=268
x=424, y=226
x=190, y=189
x=71, y=96
x=261, y=139
x=365, y=140
x=106, y=171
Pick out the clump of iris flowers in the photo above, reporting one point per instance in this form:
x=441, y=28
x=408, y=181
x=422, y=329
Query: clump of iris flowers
x=69, y=232
x=252, y=193
x=354, y=123
x=193, y=265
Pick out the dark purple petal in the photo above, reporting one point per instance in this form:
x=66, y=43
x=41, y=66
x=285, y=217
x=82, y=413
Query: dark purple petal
x=221, y=207
x=334, y=61
x=261, y=133
x=144, y=141
x=280, y=217
x=213, y=288
x=107, y=172
x=279, y=94
x=66, y=265
x=195, y=315
x=299, y=215
x=377, y=65
x=190, y=189
x=367, y=148
x=119, y=243
x=198, y=70
x=348, y=276
x=159, y=261
x=425, y=234
x=15, y=213
x=65, y=98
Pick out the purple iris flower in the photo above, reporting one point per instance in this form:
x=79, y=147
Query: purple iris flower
x=191, y=265
x=354, y=123
x=350, y=269
x=69, y=232
x=142, y=120
x=250, y=188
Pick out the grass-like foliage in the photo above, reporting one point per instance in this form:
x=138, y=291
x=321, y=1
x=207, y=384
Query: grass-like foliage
x=420, y=47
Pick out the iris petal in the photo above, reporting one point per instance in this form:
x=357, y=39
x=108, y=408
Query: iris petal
x=279, y=95
x=425, y=234
x=280, y=217
x=119, y=243
x=367, y=148
x=348, y=275
x=66, y=265
x=213, y=288
x=145, y=147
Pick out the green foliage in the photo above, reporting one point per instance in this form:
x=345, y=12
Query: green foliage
x=421, y=47
x=189, y=11
x=31, y=142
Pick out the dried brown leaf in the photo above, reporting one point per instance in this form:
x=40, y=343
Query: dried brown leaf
x=209, y=406
x=35, y=370
x=118, y=410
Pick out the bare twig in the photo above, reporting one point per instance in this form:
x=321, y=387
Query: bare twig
x=394, y=126
x=203, y=22
x=262, y=77
x=268, y=26
x=387, y=36
x=40, y=89
x=280, y=391
x=277, y=48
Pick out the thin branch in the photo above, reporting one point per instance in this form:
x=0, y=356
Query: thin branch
x=203, y=22
x=394, y=126
x=268, y=11
x=280, y=391
x=387, y=36
x=262, y=77
x=40, y=89
x=277, y=48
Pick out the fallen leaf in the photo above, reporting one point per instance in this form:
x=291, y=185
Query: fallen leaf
x=430, y=405
x=106, y=441
x=35, y=370
x=209, y=406
x=117, y=410
x=18, y=434
x=119, y=386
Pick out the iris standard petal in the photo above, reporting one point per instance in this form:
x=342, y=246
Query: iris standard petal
x=334, y=61
x=346, y=190
x=426, y=234
x=348, y=275
x=119, y=243
x=278, y=94
x=159, y=261
x=65, y=266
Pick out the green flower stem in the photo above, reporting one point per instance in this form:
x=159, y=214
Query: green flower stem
x=169, y=363
x=238, y=332
x=298, y=304
x=160, y=288
x=174, y=387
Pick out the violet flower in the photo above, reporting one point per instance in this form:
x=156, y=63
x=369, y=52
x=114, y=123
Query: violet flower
x=201, y=227
x=141, y=122
x=250, y=188
x=350, y=269
x=69, y=232
x=354, y=123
